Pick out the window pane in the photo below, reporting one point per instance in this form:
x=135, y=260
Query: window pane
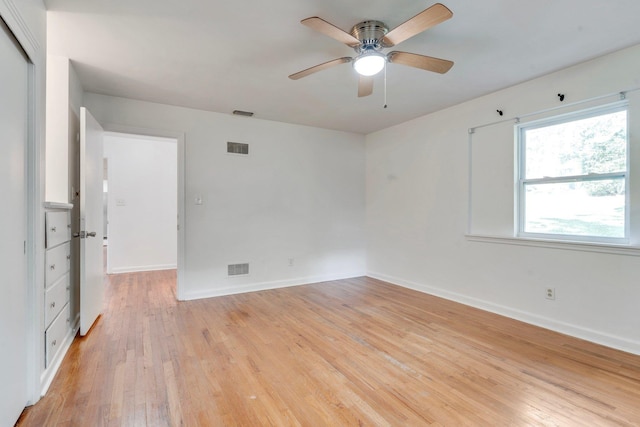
x=592, y=145
x=590, y=208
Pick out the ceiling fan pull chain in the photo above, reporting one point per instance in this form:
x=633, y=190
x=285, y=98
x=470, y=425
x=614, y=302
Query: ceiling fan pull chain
x=385, y=84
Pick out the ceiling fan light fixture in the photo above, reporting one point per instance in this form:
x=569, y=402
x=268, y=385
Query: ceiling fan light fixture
x=369, y=63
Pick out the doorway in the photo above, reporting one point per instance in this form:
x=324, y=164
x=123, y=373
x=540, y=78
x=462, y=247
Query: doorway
x=141, y=193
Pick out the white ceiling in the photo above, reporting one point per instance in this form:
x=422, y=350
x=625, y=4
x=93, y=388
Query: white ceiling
x=227, y=55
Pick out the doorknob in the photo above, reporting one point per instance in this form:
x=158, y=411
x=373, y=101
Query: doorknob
x=84, y=234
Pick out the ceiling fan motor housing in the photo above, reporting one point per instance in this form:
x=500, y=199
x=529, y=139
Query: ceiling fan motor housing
x=370, y=34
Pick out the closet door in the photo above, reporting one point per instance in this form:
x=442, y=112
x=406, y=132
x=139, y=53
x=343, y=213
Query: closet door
x=14, y=93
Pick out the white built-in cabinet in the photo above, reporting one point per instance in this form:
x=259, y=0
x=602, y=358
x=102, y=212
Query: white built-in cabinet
x=57, y=316
x=58, y=320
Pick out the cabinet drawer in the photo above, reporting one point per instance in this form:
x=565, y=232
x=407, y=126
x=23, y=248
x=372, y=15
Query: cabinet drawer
x=58, y=261
x=54, y=336
x=58, y=228
x=55, y=298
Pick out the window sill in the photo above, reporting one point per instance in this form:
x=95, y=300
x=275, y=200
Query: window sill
x=606, y=248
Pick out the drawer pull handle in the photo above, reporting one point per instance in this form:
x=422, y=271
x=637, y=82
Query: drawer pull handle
x=53, y=304
x=54, y=342
x=53, y=229
x=52, y=267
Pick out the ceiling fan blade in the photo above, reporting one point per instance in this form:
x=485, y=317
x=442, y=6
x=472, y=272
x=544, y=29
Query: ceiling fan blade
x=428, y=63
x=426, y=19
x=331, y=30
x=365, y=86
x=319, y=67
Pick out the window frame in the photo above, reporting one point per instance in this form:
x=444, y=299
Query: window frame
x=521, y=182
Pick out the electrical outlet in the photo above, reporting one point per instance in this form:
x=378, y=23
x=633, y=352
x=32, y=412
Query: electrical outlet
x=550, y=293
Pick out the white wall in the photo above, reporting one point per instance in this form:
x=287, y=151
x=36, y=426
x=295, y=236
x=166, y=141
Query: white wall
x=417, y=188
x=142, y=204
x=299, y=194
x=76, y=91
x=57, y=161
x=64, y=92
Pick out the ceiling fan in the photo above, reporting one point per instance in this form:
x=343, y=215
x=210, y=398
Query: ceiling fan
x=369, y=38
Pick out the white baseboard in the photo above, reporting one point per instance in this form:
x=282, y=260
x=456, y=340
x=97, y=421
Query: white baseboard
x=577, y=331
x=141, y=268
x=263, y=286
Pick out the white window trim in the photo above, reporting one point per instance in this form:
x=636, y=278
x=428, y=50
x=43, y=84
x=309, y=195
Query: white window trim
x=520, y=182
x=607, y=248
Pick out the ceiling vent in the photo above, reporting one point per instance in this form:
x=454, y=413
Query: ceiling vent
x=238, y=269
x=237, y=148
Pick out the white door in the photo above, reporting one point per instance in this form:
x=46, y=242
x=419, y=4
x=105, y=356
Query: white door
x=91, y=217
x=14, y=91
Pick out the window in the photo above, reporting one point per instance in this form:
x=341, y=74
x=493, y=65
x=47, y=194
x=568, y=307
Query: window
x=573, y=176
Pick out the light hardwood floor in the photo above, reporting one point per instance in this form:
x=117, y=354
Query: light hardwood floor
x=344, y=353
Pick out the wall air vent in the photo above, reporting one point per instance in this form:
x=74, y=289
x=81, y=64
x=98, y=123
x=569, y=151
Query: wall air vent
x=242, y=113
x=238, y=269
x=237, y=148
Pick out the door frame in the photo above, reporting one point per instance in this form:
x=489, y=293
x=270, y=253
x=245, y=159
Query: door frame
x=180, y=137
x=34, y=187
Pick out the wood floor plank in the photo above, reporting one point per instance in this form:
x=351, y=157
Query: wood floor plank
x=349, y=352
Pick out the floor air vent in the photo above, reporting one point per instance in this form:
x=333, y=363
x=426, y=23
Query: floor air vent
x=237, y=148
x=238, y=269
